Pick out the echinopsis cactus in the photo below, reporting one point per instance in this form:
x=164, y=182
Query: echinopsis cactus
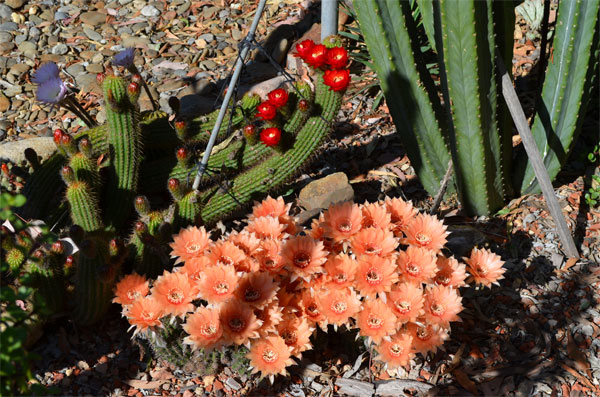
x=377, y=268
x=111, y=169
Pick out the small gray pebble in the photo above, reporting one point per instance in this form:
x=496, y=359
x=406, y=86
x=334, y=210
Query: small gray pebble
x=60, y=49
x=8, y=27
x=150, y=11
x=5, y=11
x=34, y=32
x=5, y=37
x=123, y=2
x=20, y=38
x=59, y=15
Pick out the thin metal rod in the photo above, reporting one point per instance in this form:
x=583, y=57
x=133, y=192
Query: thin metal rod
x=442, y=191
x=236, y=75
x=516, y=111
x=329, y=18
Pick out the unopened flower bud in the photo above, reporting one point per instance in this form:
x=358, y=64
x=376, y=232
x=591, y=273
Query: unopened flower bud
x=303, y=105
x=114, y=247
x=85, y=147
x=57, y=135
x=100, y=78
x=142, y=205
x=68, y=175
x=183, y=155
x=57, y=247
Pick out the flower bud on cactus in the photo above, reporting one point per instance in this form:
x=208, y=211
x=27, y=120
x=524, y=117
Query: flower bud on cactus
x=142, y=205
x=270, y=136
x=136, y=78
x=76, y=233
x=266, y=111
x=67, y=174
x=38, y=254
x=303, y=105
x=183, y=155
x=100, y=78
x=57, y=248
x=69, y=261
x=114, y=247
x=133, y=91
x=57, y=135
x=317, y=56
x=250, y=134
x=85, y=147
x=66, y=142
x=175, y=188
x=278, y=97
x=180, y=129
x=141, y=230
x=5, y=169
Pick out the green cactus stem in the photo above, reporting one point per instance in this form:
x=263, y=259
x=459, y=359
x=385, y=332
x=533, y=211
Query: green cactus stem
x=84, y=206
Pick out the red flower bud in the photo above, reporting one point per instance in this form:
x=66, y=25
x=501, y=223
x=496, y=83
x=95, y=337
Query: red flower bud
x=303, y=105
x=270, y=136
x=133, y=88
x=58, y=133
x=317, y=56
x=337, y=57
x=173, y=184
x=337, y=80
x=57, y=247
x=250, y=130
x=100, y=78
x=66, y=139
x=136, y=78
x=266, y=111
x=69, y=261
x=5, y=169
x=182, y=154
x=180, y=124
x=303, y=48
x=278, y=97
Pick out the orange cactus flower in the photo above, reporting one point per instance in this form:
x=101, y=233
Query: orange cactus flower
x=376, y=215
x=338, y=305
x=239, y=323
x=375, y=275
x=311, y=307
x=189, y=243
x=270, y=315
x=426, y=337
x=194, y=267
x=373, y=241
x=316, y=228
x=341, y=270
x=303, y=256
x=450, y=273
x=417, y=265
x=401, y=213
x=226, y=253
x=270, y=356
x=342, y=221
x=145, y=313
x=406, y=301
x=267, y=227
x=247, y=242
x=296, y=332
x=397, y=352
x=269, y=258
x=426, y=231
x=218, y=284
x=130, y=288
x=276, y=208
x=485, y=267
x=175, y=292
x=204, y=329
x=442, y=305
x=376, y=320
x=256, y=289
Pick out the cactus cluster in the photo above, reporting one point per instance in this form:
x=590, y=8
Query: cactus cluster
x=115, y=176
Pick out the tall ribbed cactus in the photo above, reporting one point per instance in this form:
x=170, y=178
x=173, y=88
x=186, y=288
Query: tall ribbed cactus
x=471, y=124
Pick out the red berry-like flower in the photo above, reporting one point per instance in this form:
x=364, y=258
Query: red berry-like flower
x=337, y=80
x=303, y=48
x=180, y=124
x=58, y=133
x=270, y=136
x=266, y=111
x=278, y=97
x=100, y=78
x=249, y=130
x=337, y=57
x=303, y=105
x=133, y=88
x=317, y=56
x=182, y=154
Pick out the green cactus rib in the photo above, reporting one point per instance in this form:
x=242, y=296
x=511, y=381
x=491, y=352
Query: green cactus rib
x=408, y=88
x=125, y=151
x=85, y=170
x=427, y=11
x=186, y=210
x=274, y=171
x=147, y=262
x=92, y=297
x=468, y=54
x=84, y=206
x=563, y=102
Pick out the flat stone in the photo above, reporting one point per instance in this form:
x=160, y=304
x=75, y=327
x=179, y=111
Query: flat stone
x=4, y=103
x=93, y=18
x=92, y=34
x=5, y=11
x=233, y=384
x=59, y=15
x=6, y=48
x=135, y=41
x=353, y=387
x=150, y=11
x=27, y=46
x=323, y=192
x=75, y=69
x=13, y=151
x=396, y=387
x=60, y=49
x=95, y=68
x=14, y=4
x=8, y=27
x=5, y=37
x=19, y=68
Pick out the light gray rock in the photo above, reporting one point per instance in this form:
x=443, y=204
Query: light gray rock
x=93, y=18
x=8, y=27
x=92, y=34
x=233, y=384
x=14, y=150
x=5, y=37
x=60, y=49
x=150, y=11
x=5, y=11
x=323, y=192
x=395, y=387
x=14, y=4
x=353, y=387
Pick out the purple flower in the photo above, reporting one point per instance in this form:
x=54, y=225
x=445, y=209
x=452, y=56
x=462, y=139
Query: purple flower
x=52, y=91
x=124, y=58
x=47, y=71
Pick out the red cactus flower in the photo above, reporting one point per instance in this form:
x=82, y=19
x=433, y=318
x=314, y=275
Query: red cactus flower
x=266, y=111
x=337, y=57
x=317, y=56
x=270, y=136
x=278, y=97
x=303, y=48
x=337, y=80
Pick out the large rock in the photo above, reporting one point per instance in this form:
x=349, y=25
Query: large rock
x=396, y=387
x=353, y=387
x=93, y=18
x=323, y=192
x=14, y=151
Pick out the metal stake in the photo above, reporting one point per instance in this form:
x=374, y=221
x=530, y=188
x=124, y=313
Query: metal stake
x=329, y=18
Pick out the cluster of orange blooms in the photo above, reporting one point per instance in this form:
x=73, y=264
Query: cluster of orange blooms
x=270, y=285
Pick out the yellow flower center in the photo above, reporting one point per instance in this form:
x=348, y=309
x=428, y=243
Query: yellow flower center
x=422, y=238
x=373, y=277
x=396, y=350
x=339, y=307
x=208, y=330
x=374, y=322
x=403, y=307
x=302, y=260
x=437, y=309
x=424, y=333
x=345, y=226
x=413, y=269
x=192, y=247
x=269, y=355
x=221, y=288
x=237, y=324
x=175, y=296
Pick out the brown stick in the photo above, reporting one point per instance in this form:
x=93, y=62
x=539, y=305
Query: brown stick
x=443, y=186
x=516, y=111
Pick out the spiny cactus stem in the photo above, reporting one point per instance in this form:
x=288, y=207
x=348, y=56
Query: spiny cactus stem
x=234, y=79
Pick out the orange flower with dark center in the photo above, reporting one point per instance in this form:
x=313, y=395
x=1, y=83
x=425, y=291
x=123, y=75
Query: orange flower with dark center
x=442, y=305
x=397, y=352
x=270, y=356
x=485, y=267
x=145, y=313
x=373, y=241
x=376, y=320
x=375, y=275
x=418, y=265
x=296, y=333
x=203, y=328
x=130, y=288
x=226, y=253
x=426, y=337
x=426, y=231
x=269, y=257
x=245, y=241
x=270, y=315
x=450, y=273
x=303, y=256
x=175, y=292
x=189, y=243
x=276, y=208
x=239, y=323
x=218, y=284
x=406, y=301
x=342, y=221
x=341, y=270
x=256, y=289
x=312, y=308
x=195, y=267
x=339, y=305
